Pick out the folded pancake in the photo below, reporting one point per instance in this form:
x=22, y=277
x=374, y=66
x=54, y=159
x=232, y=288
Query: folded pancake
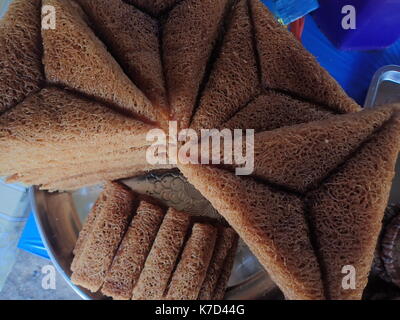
x=226, y=239
x=76, y=58
x=191, y=270
x=271, y=222
x=155, y=7
x=271, y=110
x=234, y=79
x=347, y=209
x=163, y=256
x=20, y=53
x=336, y=173
x=301, y=156
x=286, y=65
x=133, y=39
x=85, y=231
x=133, y=251
x=221, y=286
x=189, y=35
x=72, y=168
x=54, y=123
x=101, y=245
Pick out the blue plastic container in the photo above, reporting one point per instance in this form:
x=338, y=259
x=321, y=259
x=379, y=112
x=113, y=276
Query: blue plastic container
x=377, y=23
x=288, y=11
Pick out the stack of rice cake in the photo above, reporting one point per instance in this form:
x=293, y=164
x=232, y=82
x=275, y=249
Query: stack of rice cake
x=133, y=249
x=130, y=66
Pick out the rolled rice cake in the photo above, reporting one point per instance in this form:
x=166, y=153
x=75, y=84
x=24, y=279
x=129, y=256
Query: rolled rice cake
x=155, y=255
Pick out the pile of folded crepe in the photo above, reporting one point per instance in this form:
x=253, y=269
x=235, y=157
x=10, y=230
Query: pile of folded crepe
x=78, y=100
x=131, y=248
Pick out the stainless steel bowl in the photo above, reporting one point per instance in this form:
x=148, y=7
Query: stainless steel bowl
x=59, y=217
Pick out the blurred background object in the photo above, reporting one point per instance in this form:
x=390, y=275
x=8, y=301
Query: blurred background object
x=292, y=12
x=14, y=210
x=360, y=24
x=289, y=11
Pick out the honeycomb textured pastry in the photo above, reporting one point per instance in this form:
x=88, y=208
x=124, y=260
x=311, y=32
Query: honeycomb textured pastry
x=271, y=110
x=224, y=243
x=155, y=7
x=222, y=283
x=203, y=63
x=66, y=136
x=77, y=101
x=362, y=184
x=85, y=60
x=132, y=37
x=133, y=251
x=333, y=220
x=99, y=247
x=234, y=78
x=160, y=263
x=280, y=54
x=20, y=53
x=161, y=254
x=187, y=47
x=300, y=156
x=272, y=223
x=190, y=272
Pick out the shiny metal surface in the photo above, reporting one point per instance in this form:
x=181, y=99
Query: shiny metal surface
x=60, y=216
x=385, y=89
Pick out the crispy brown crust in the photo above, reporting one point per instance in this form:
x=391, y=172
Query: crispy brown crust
x=85, y=232
x=287, y=65
x=272, y=223
x=335, y=223
x=301, y=156
x=347, y=210
x=155, y=7
x=21, y=71
x=73, y=47
x=221, y=286
x=133, y=251
x=234, y=79
x=271, y=110
x=112, y=220
x=133, y=39
x=163, y=256
x=225, y=241
x=191, y=270
x=187, y=46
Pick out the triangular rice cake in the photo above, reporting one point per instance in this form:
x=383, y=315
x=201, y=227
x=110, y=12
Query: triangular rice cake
x=234, y=79
x=271, y=222
x=299, y=157
x=347, y=211
x=189, y=35
x=133, y=38
x=271, y=110
x=76, y=58
x=20, y=53
x=286, y=65
x=54, y=120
